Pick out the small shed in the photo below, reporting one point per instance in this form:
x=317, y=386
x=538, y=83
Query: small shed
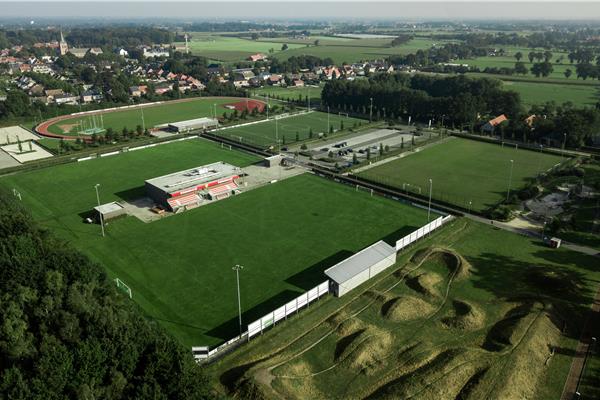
x=110, y=210
x=359, y=268
x=273, y=161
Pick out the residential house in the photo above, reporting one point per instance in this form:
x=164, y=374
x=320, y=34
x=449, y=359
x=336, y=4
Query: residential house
x=90, y=96
x=163, y=88
x=52, y=93
x=36, y=90
x=491, y=125
x=78, y=52
x=95, y=51
x=122, y=52
x=66, y=98
x=298, y=83
x=257, y=57
x=155, y=51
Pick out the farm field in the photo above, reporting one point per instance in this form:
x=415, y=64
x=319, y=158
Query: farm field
x=463, y=170
x=160, y=113
x=265, y=134
x=533, y=93
x=370, y=49
x=470, y=313
x=227, y=49
x=179, y=268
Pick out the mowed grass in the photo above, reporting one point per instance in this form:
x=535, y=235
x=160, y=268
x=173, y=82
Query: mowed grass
x=463, y=171
x=231, y=48
x=533, y=93
x=153, y=115
x=354, y=51
x=292, y=93
x=486, y=332
x=267, y=133
x=179, y=268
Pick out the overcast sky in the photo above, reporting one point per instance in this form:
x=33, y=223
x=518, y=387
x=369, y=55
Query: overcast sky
x=280, y=9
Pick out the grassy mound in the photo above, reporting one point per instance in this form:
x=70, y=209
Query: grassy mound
x=405, y=308
x=366, y=350
x=465, y=316
x=297, y=382
x=377, y=296
x=425, y=284
x=511, y=327
x=529, y=361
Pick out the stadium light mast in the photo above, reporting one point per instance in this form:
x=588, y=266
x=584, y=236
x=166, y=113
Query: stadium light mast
x=564, y=145
x=237, y=269
x=267, y=106
x=512, y=163
x=143, y=121
x=215, y=107
x=371, y=110
x=429, y=208
x=96, y=186
x=328, y=124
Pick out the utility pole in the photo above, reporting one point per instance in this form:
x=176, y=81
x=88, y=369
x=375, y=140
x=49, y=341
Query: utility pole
x=328, y=124
x=509, y=180
x=143, y=121
x=96, y=186
x=237, y=269
x=267, y=106
x=564, y=145
x=371, y=110
x=429, y=208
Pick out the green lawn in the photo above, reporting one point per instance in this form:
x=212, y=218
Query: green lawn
x=231, y=48
x=179, y=268
x=463, y=170
x=266, y=133
x=505, y=327
x=154, y=115
x=292, y=93
x=359, y=50
x=533, y=93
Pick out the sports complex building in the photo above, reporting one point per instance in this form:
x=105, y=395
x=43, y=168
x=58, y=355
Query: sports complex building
x=193, y=124
x=187, y=189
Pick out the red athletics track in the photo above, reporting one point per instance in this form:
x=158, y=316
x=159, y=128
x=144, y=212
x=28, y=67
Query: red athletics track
x=239, y=105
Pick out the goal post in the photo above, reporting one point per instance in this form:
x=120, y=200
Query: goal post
x=121, y=285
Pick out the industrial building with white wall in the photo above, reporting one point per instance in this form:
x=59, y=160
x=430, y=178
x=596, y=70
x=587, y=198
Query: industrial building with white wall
x=359, y=268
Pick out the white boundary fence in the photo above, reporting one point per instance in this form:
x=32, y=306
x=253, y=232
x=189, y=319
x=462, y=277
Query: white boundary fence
x=422, y=231
x=282, y=312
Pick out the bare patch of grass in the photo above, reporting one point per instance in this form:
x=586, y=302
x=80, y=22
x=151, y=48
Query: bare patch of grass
x=465, y=316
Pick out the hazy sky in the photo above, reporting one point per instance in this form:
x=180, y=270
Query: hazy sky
x=244, y=9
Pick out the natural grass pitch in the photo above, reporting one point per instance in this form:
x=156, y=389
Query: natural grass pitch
x=179, y=268
x=161, y=113
x=287, y=129
x=463, y=171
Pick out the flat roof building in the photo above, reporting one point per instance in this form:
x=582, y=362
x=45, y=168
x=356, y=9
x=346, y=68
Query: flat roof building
x=110, y=210
x=186, y=188
x=193, y=124
x=362, y=266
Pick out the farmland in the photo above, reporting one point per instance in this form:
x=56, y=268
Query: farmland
x=228, y=49
x=292, y=93
x=286, y=130
x=453, y=319
x=189, y=288
x=463, y=171
x=535, y=93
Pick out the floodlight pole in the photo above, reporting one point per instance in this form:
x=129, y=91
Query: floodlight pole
x=96, y=186
x=267, y=106
x=564, y=146
x=509, y=179
x=429, y=208
x=371, y=110
x=328, y=124
x=470, y=202
x=143, y=121
x=237, y=278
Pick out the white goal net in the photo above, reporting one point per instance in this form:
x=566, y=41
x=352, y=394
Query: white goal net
x=121, y=285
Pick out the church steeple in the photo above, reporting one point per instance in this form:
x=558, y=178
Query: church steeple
x=63, y=46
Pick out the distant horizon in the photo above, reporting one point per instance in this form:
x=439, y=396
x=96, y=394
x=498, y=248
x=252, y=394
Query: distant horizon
x=409, y=11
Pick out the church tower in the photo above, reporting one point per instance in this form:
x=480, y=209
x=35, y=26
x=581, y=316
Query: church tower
x=64, y=47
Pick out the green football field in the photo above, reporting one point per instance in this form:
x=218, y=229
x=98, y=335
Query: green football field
x=285, y=129
x=179, y=268
x=153, y=115
x=463, y=170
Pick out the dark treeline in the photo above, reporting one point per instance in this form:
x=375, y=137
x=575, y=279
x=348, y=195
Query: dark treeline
x=67, y=333
x=296, y=63
x=89, y=37
x=422, y=97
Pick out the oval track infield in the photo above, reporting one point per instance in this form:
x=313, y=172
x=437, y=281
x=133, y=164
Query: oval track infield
x=236, y=103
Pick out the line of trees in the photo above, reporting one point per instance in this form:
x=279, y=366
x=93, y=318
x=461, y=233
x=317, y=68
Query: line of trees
x=65, y=331
x=460, y=99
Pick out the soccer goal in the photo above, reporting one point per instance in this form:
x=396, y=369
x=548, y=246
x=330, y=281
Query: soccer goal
x=121, y=285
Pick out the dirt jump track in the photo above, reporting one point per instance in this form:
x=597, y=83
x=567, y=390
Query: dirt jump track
x=238, y=103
